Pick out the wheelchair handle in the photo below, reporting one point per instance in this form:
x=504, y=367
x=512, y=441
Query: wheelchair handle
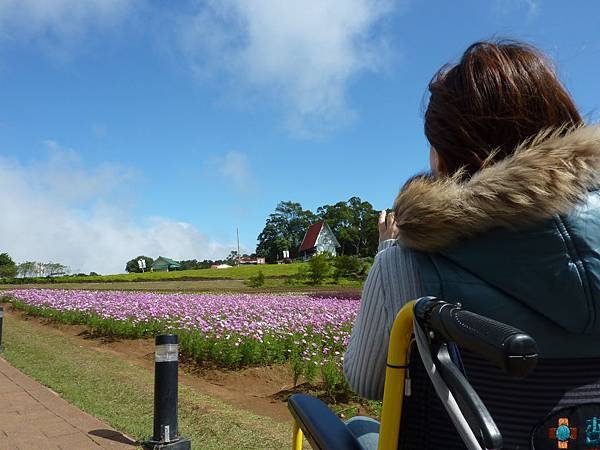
x=507, y=347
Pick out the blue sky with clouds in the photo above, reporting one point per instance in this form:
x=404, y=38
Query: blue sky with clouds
x=150, y=127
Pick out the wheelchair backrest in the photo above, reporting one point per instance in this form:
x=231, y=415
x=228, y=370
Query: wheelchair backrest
x=546, y=407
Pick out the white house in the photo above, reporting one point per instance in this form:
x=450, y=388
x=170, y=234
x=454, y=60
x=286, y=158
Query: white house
x=319, y=239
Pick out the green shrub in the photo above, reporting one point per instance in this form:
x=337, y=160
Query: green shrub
x=299, y=277
x=319, y=267
x=346, y=266
x=257, y=280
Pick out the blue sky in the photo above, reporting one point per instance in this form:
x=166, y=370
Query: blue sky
x=151, y=127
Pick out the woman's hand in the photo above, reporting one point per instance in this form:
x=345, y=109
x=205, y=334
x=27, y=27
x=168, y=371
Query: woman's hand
x=387, y=226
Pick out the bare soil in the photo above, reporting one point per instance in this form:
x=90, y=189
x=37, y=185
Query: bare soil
x=167, y=285
x=199, y=286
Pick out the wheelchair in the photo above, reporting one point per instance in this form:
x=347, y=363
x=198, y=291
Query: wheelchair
x=441, y=333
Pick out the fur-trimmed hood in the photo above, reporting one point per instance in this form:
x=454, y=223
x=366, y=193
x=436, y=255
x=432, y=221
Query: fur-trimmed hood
x=519, y=241
x=548, y=175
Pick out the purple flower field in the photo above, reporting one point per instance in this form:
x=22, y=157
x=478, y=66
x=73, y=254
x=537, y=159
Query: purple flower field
x=216, y=314
x=234, y=330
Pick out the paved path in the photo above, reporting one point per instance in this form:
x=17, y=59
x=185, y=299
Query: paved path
x=34, y=417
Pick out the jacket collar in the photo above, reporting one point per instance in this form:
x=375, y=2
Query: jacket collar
x=547, y=175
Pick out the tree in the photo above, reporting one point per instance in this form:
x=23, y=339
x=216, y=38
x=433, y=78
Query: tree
x=339, y=219
x=346, y=266
x=52, y=269
x=284, y=230
x=27, y=269
x=354, y=224
x=364, y=226
x=34, y=268
x=232, y=258
x=189, y=264
x=271, y=242
x=205, y=264
x=133, y=267
x=8, y=268
x=319, y=267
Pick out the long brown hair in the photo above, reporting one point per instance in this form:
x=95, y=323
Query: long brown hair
x=498, y=95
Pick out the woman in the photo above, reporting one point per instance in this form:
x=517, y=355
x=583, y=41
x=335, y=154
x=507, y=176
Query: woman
x=509, y=224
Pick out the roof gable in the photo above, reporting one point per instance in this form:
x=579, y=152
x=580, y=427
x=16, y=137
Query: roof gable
x=310, y=238
x=313, y=232
x=327, y=232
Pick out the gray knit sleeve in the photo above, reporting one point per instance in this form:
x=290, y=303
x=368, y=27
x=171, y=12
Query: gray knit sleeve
x=392, y=281
x=386, y=244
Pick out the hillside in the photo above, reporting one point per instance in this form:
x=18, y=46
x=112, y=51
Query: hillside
x=234, y=273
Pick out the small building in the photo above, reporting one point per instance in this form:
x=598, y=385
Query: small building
x=252, y=260
x=318, y=239
x=221, y=266
x=162, y=264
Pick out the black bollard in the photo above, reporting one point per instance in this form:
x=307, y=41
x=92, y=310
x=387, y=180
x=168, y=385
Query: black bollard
x=165, y=434
x=1, y=321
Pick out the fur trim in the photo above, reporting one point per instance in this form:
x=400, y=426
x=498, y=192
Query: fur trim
x=547, y=175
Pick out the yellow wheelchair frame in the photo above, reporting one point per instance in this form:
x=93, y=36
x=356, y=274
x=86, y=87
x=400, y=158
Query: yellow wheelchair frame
x=445, y=324
x=395, y=375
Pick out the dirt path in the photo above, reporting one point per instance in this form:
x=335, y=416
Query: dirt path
x=253, y=389
x=206, y=285
x=192, y=286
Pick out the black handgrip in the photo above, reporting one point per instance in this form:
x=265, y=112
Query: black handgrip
x=509, y=348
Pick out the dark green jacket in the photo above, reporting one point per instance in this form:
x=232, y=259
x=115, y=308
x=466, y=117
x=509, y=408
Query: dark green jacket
x=519, y=242
x=543, y=279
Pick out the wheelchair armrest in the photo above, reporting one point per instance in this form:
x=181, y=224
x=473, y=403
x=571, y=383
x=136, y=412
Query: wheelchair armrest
x=322, y=428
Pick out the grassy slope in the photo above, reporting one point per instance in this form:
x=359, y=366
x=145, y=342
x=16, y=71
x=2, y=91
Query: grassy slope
x=211, y=279
x=242, y=272
x=120, y=393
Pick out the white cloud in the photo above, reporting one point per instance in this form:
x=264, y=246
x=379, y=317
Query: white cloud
x=234, y=168
x=58, y=25
x=302, y=54
x=63, y=176
x=44, y=222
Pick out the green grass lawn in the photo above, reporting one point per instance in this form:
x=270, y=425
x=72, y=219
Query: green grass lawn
x=233, y=273
x=232, y=279
x=121, y=393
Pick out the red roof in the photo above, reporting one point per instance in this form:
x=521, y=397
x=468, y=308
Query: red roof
x=310, y=238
